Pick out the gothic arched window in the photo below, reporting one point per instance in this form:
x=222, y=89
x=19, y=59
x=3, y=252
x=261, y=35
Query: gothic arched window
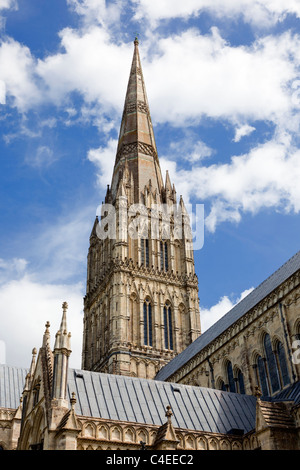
x=168, y=326
x=240, y=382
x=222, y=386
x=271, y=364
x=145, y=251
x=262, y=376
x=231, y=382
x=297, y=335
x=164, y=258
x=147, y=323
x=283, y=369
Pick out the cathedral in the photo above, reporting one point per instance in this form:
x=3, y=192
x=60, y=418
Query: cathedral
x=149, y=379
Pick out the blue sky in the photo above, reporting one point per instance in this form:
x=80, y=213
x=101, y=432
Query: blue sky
x=223, y=85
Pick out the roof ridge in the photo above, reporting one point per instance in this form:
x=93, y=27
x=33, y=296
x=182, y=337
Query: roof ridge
x=258, y=287
x=257, y=294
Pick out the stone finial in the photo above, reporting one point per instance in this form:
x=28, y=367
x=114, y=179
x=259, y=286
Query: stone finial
x=62, y=338
x=27, y=381
x=73, y=400
x=169, y=413
x=257, y=392
x=46, y=337
x=136, y=40
x=32, y=366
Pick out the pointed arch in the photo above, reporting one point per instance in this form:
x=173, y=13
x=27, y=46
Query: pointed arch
x=262, y=375
x=271, y=364
x=129, y=434
x=230, y=377
x=89, y=430
x=148, y=324
x=283, y=371
x=134, y=290
x=185, y=324
x=116, y=433
x=133, y=324
x=38, y=426
x=145, y=251
x=148, y=292
x=168, y=325
x=220, y=384
x=143, y=435
x=296, y=329
x=164, y=255
x=240, y=384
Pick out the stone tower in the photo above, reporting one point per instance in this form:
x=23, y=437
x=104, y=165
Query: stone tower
x=141, y=306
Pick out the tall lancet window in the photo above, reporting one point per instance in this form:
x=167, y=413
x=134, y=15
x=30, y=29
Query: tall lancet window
x=147, y=323
x=145, y=251
x=271, y=364
x=283, y=369
x=262, y=376
x=168, y=326
x=164, y=258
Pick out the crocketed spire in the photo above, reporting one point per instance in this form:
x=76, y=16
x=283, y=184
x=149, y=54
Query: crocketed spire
x=136, y=144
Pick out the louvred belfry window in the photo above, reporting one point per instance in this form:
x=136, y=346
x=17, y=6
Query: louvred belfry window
x=145, y=251
x=164, y=258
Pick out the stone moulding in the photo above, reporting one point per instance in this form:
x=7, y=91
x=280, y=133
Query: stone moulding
x=153, y=274
x=101, y=433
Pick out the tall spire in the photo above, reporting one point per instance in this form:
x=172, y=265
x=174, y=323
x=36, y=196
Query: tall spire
x=136, y=139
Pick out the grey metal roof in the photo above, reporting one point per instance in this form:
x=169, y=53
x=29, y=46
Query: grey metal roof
x=142, y=401
x=252, y=299
x=291, y=393
x=12, y=381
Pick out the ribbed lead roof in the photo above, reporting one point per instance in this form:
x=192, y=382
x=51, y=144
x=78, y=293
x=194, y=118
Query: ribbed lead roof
x=258, y=294
x=291, y=393
x=144, y=401
x=12, y=380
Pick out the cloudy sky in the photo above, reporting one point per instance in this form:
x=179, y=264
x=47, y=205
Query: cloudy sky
x=223, y=83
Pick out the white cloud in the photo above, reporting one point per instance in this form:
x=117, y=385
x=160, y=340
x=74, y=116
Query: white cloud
x=32, y=290
x=14, y=267
x=8, y=4
x=268, y=176
x=17, y=73
x=219, y=81
x=98, y=11
x=58, y=251
x=210, y=315
x=43, y=157
x=104, y=159
x=90, y=65
x=214, y=79
x=243, y=131
x=204, y=77
x=26, y=305
x=2, y=92
x=190, y=148
x=262, y=13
